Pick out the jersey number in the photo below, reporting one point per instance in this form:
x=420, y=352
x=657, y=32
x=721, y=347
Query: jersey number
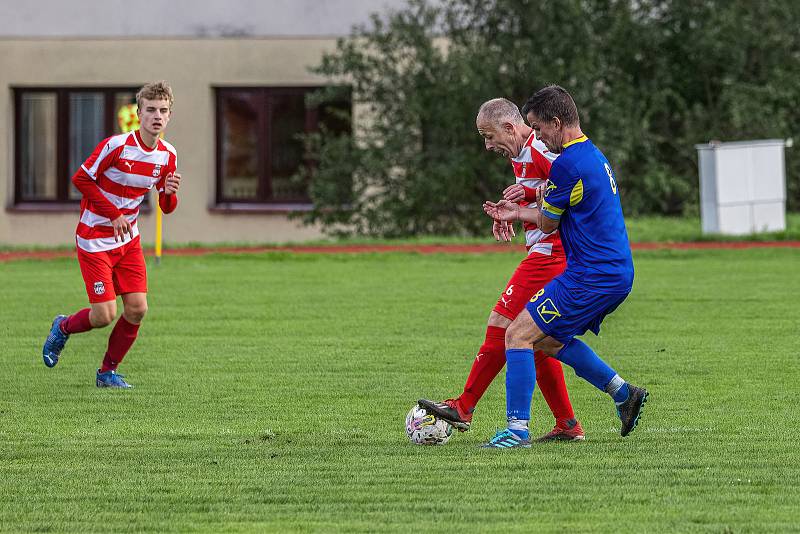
x=537, y=295
x=611, y=178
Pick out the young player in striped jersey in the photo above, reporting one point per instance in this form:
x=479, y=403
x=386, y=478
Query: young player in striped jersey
x=114, y=181
x=500, y=123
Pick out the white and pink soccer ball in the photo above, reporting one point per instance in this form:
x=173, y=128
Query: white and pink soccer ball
x=423, y=428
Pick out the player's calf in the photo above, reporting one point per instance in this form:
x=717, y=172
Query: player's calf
x=134, y=313
x=103, y=313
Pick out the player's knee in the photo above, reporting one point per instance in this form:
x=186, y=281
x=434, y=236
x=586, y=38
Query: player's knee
x=102, y=317
x=135, y=312
x=549, y=346
x=518, y=336
x=497, y=320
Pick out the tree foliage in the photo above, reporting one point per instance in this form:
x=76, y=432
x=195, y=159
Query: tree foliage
x=651, y=78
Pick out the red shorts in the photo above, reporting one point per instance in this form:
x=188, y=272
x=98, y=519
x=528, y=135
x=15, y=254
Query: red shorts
x=530, y=276
x=113, y=272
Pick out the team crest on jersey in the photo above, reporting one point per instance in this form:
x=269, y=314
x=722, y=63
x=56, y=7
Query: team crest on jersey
x=548, y=311
x=157, y=170
x=99, y=288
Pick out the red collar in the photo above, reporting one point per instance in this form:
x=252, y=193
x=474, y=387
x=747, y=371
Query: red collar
x=142, y=145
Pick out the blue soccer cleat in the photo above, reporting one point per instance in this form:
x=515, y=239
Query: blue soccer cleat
x=55, y=342
x=110, y=379
x=506, y=439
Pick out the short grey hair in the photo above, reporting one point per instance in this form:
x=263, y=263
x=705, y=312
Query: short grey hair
x=499, y=110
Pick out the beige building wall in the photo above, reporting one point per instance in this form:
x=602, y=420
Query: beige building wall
x=193, y=67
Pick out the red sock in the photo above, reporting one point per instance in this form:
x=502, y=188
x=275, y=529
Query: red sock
x=122, y=337
x=77, y=322
x=550, y=378
x=489, y=362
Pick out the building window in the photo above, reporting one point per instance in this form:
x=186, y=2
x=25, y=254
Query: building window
x=56, y=130
x=259, y=151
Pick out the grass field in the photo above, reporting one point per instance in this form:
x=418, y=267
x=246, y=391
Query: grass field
x=271, y=392
x=648, y=229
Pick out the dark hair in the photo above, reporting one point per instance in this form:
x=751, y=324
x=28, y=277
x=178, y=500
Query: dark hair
x=551, y=102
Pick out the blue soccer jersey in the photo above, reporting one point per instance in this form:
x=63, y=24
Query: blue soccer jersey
x=582, y=193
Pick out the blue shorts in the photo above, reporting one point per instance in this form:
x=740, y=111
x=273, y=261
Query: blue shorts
x=563, y=310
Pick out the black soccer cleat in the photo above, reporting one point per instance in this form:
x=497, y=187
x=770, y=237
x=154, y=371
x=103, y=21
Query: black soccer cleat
x=631, y=410
x=449, y=411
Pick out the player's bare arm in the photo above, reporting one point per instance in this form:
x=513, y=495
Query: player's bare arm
x=510, y=211
x=546, y=224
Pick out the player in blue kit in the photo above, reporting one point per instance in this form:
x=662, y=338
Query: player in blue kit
x=581, y=199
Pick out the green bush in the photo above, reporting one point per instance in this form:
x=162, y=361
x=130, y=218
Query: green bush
x=651, y=80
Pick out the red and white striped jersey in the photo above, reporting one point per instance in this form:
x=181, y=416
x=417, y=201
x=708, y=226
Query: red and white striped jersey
x=125, y=170
x=532, y=167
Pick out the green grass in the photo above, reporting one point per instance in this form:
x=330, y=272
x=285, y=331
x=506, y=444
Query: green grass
x=647, y=229
x=640, y=230
x=271, y=392
x=682, y=229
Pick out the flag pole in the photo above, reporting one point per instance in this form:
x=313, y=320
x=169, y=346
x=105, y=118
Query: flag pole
x=158, y=233
x=159, y=224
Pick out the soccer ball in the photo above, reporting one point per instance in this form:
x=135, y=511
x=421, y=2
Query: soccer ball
x=423, y=428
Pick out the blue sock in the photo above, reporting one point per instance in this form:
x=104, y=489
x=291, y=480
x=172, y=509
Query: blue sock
x=520, y=381
x=590, y=367
x=618, y=389
x=519, y=427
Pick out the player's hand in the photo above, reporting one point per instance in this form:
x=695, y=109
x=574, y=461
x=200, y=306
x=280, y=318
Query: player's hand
x=502, y=230
x=502, y=210
x=514, y=193
x=172, y=183
x=540, y=191
x=121, y=227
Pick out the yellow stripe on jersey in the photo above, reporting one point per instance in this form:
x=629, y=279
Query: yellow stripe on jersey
x=581, y=139
x=577, y=193
x=552, y=209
